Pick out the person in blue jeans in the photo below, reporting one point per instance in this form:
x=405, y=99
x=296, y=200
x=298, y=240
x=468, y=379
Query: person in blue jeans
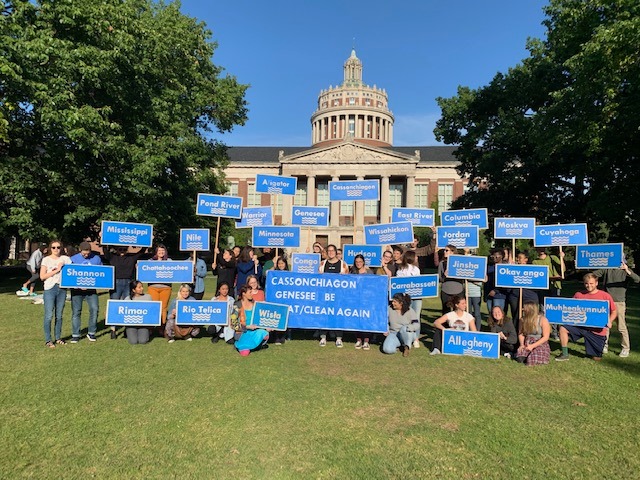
x=54, y=296
x=79, y=295
x=404, y=326
x=493, y=296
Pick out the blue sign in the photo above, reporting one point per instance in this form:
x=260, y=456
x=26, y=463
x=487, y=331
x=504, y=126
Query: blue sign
x=386, y=233
x=87, y=276
x=276, y=237
x=420, y=286
x=224, y=206
x=602, y=255
x=275, y=184
x=522, y=276
x=372, y=254
x=255, y=217
x=201, y=312
x=514, y=228
x=305, y=262
x=195, y=239
x=348, y=190
x=127, y=313
x=460, y=236
x=126, y=233
x=577, y=312
x=557, y=235
x=467, y=267
x=270, y=315
x=472, y=344
x=168, y=271
x=472, y=216
x=310, y=216
x=331, y=301
x=420, y=217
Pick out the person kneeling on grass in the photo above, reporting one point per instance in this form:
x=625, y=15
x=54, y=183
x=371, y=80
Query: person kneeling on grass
x=457, y=319
x=137, y=335
x=174, y=331
x=503, y=326
x=534, y=336
x=252, y=337
x=404, y=327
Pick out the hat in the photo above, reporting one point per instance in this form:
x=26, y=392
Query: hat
x=84, y=246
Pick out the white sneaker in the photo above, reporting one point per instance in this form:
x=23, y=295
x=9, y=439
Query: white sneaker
x=358, y=345
x=22, y=293
x=171, y=340
x=605, y=349
x=189, y=339
x=624, y=353
x=323, y=342
x=365, y=346
x=416, y=343
x=508, y=355
x=339, y=343
x=435, y=351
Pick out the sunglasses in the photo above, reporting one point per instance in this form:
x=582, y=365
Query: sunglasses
x=56, y=248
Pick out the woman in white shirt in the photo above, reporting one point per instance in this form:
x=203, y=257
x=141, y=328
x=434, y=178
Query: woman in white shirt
x=408, y=268
x=54, y=296
x=457, y=319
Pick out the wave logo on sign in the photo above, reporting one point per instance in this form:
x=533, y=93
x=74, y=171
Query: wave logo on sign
x=133, y=318
x=354, y=193
x=522, y=280
x=165, y=274
x=472, y=352
x=574, y=316
x=275, y=242
x=309, y=221
x=307, y=269
x=127, y=238
x=86, y=282
x=200, y=317
x=194, y=245
x=516, y=232
x=560, y=240
x=598, y=262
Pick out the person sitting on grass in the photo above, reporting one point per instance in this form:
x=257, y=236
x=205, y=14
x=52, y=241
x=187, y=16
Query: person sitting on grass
x=404, y=327
x=534, y=336
x=218, y=331
x=137, y=335
x=503, y=326
x=457, y=319
x=174, y=331
x=252, y=337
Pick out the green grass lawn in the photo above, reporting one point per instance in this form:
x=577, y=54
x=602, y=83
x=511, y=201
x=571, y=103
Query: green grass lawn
x=198, y=410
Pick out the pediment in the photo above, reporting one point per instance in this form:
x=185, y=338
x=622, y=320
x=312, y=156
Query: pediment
x=348, y=153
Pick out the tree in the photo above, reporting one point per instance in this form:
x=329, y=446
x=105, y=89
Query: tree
x=108, y=106
x=557, y=136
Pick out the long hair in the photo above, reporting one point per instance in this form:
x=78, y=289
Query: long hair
x=454, y=301
x=494, y=321
x=245, y=255
x=529, y=320
x=249, y=277
x=355, y=269
x=166, y=251
x=132, y=286
x=404, y=300
x=408, y=258
x=220, y=285
x=286, y=264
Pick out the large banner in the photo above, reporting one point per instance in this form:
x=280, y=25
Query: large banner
x=331, y=301
x=127, y=313
x=558, y=235
x=255, y=217
x=197, y=239
x=310, y=216
x=473, y=344
x=386, y=233
x=577, y=312
x=87, y=276
x=601, y=255
x=126, y=234
x=305, y=262
x=275, y=184
x=202, y=312
x=270, y=315
x=276, y=237
x=420, y=286
x=224, y=206
x=349, y=190
x=514, y=228
x=420, y=217
x=460, y=236
x=467, y=267
x=472, y=216
x=522, y=276
x=372, y=254
x=169, y=271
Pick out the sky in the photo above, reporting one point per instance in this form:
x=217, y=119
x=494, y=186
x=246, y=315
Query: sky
x=417, y=50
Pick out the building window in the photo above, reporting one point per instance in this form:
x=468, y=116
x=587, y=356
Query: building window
x=395, y=195
x=346, y=209
x=445, y=196
x=300, y=200
x=352, y=101
x=323, y=194
x=276, y=201
x=232, y=189
x=421, y=199
x=253, y=199
x=367, y=102
x=371, y=208
x=352, y=125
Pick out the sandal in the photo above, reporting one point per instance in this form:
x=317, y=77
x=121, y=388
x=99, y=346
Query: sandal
x=60, y=342
x=50, y=345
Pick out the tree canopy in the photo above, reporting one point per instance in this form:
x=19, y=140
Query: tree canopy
x=107, y=109
x=558, y=136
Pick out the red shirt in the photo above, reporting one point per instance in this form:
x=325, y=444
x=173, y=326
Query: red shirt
x=598, y=295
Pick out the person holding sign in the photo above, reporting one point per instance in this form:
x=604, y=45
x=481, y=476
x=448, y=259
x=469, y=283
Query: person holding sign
x=171, y=329
x=79, y=295
x=224, y=267
x=408, y=268
x=449, y=287
x=137, y=335
x=534, y=336
x=359, y=268
x=252, y=337
x=161, y=291
x=247, y=264
x=222, y=295
x=458, y=319
x=54, y=296
x=404, y=327
x=388, y=266
x=256, y=291
x=199, y=274
x=493, y=296
x=556, y=269
x=332, y=265
x=503, y=326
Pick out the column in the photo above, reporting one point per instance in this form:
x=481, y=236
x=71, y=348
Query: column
x=287, y=204
x=359, y=211
x=411, y=195
x=385, y=213
x=311, y=190
x=335, y=209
